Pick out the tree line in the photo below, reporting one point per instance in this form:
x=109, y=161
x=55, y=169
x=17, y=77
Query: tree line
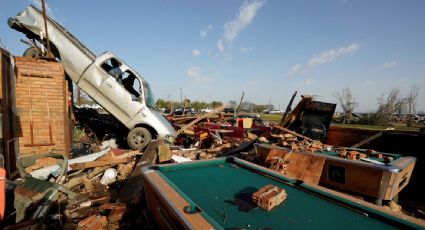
x=392, y=102
x=246, y=106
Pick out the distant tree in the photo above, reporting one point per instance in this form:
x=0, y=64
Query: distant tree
x=387, y=105
x=260, y=108
x=80, y=97
x=196, y=105
x=247, y=106
x=232, y=104
x=216, y=104
x=411, y=101
x=160, y=103
x=347, y=101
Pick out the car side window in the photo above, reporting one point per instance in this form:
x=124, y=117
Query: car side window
x=132, y=84
x=112, y=67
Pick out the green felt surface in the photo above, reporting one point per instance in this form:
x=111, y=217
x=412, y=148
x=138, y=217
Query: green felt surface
x=210, y=184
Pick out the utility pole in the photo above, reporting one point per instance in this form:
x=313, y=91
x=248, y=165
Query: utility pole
x=43, y=4
x=181, y=97
x=239, y=106
x=270, y=103
x=169, y=102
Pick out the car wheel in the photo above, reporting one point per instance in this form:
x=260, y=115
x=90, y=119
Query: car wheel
x=138, y=138
x=32, y=52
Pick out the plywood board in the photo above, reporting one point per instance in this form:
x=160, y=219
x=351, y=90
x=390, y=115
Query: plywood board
x=306, y=167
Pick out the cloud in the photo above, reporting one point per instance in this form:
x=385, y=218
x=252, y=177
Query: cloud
x=389, y=64
x=38, y=4
x=298, y=68
x=232, y=28
x=245, y=49
x=325, y=57
x=331, y=55
x=196, y=53
x=309, y=81
x=205, y=31
x=220, y=45
x=195, y=73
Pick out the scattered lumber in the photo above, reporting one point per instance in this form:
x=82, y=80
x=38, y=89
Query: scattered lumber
x=217, y=110
x=94, y=164
x=367, y=140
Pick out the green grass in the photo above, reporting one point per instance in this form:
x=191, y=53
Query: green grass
x=396, y=126
x=271, y=117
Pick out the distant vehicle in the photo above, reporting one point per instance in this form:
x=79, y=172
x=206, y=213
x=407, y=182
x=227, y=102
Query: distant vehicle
x=229, y=110
x=108, y=80
x=207, y=110
x=276, y=111
x=187, y=111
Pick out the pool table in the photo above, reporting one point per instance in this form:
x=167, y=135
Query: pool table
x=378, y=180
x=211, y=194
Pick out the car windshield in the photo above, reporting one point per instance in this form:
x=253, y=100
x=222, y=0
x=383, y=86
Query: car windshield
x=149, y=99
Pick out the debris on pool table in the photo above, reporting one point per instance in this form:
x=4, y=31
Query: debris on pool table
x=269, y=197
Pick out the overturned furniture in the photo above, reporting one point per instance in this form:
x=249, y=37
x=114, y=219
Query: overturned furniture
x=310, y=118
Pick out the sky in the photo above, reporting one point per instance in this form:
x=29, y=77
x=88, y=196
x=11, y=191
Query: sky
x=217, y=49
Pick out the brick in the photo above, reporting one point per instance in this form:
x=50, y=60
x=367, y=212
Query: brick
x=34, y=93
x=269, y=197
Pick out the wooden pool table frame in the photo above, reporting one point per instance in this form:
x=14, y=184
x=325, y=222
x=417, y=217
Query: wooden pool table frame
x=166, y=203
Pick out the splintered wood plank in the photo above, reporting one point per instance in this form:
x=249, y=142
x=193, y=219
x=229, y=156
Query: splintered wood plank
x=94, y=164
x=164, y=153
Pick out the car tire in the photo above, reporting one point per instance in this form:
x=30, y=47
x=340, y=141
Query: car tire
x=33, y=52
x=138, y=138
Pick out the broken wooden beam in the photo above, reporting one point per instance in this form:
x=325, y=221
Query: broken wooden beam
x=291, y=132
x=92, y=222
x=217, y=110
x=94, y=164
x=367, y=140
x=111, y=206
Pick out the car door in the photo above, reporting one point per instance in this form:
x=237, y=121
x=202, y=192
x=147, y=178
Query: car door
x=117, y=99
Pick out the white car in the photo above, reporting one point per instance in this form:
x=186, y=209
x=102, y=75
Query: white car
x=275, y=111
x=207, y=110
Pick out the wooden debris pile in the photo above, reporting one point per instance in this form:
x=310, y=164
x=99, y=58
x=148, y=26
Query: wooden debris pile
x=204, y=154
x=297, y=142
x=98, y=179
